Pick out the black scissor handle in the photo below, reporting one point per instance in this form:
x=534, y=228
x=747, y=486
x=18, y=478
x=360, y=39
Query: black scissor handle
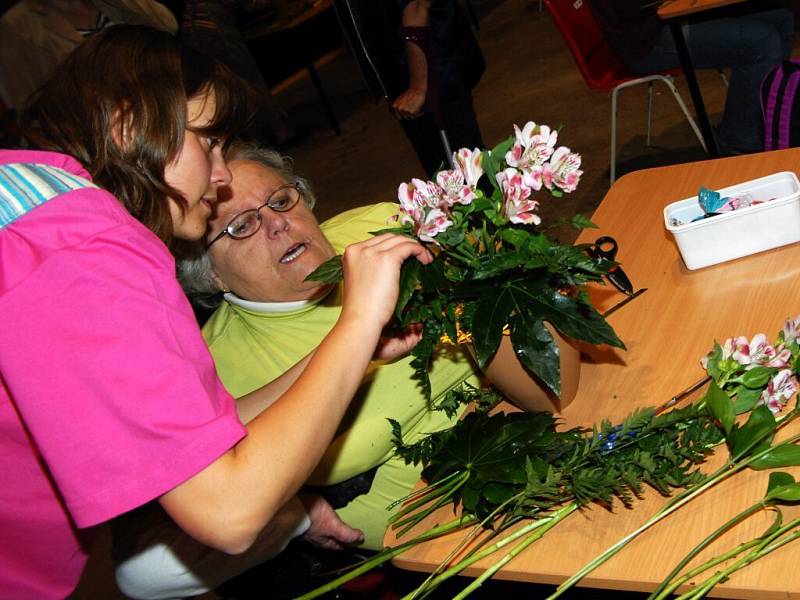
x=606, y=247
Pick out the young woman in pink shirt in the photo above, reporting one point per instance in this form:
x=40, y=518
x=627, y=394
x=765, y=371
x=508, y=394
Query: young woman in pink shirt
x=108, y=396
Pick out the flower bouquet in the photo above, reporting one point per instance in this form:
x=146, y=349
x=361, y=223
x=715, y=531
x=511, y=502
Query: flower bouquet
x=495, y=270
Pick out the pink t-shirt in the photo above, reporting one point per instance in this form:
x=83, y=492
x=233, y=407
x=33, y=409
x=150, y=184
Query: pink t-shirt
x=108, y=395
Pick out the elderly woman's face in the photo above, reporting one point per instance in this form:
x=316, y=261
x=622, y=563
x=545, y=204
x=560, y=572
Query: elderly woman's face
x=270, y=266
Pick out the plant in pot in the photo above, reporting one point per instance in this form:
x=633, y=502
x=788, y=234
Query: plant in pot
x=498, y=282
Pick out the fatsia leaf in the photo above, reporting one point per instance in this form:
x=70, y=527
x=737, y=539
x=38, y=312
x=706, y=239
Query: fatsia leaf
x=782, y=455
x=721, y=406
x=492, y=313
x=574, y=317
x=331, y=271
x=536, y=349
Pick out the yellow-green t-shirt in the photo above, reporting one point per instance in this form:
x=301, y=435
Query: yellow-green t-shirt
x=251, y=348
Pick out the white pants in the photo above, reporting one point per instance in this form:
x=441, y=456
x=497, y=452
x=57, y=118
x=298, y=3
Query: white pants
x=162, y=562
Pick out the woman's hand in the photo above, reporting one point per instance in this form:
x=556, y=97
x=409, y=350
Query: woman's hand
x=327, y=530
x=409, y=104
x=372, y=275
x=397, y=343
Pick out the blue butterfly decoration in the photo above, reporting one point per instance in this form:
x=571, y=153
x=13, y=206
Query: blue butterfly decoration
x=711, y=202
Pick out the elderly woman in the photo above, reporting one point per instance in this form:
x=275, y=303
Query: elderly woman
x=262, y=242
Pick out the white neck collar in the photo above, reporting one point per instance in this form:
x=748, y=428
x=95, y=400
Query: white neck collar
x=273, y=307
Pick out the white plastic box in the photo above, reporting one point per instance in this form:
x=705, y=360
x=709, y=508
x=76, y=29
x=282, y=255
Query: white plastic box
x=741, y=232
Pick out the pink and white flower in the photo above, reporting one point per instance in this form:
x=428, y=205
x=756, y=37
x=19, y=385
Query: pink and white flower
x=469, y=162
x=534, y=145
x=517, y=205
x=435, y=222
x=564, y=170
x=791, y=330
x=779, y=391
x=421, y=205
x=758, y=352
x=454, y=187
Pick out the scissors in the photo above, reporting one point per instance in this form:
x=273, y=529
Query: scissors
x=605, y=247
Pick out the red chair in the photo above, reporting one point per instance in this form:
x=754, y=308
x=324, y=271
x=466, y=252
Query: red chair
x=600, y=67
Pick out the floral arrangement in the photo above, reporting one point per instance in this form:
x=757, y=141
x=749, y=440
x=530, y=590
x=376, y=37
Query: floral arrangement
x=501, y=470
x=493, y=259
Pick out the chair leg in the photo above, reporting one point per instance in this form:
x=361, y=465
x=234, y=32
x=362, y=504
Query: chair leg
x=724, y=77
x=649, y=111
x=685, y=110
x=613, y=168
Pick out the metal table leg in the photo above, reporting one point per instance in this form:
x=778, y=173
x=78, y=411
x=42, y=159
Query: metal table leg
x=694, y=89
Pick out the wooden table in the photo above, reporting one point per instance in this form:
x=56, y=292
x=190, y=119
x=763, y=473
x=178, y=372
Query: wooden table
x=667, y=329
x=676, y=13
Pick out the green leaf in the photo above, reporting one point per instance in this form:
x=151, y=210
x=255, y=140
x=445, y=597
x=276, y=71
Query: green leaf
x=777, y=479
x=499, y=152
x=782, y=455
x=494, y=309
x=574, y=317
x=760, y=426
x=787, y=493
x=581, y=222
x=409, y=279
x=330, y=271
x=489, y=169
x=721, y=406
x=536, y=349
x=746, y=399
x=757, y=377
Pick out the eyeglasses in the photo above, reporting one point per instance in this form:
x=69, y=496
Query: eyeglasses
x=248, y=222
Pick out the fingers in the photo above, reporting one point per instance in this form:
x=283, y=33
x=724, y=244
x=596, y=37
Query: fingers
x=393, y=243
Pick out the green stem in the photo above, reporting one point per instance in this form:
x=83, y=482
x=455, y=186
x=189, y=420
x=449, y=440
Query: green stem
x=484, y=552
x=657, y=594
x=691, y=574
x=537, y=535
x=468, y=538
x=728, y=469
x=401, y=517
x=764, y=547
x=387, y=554
x=423, y=491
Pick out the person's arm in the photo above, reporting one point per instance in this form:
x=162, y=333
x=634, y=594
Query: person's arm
x=227, y=503
x=409, y=104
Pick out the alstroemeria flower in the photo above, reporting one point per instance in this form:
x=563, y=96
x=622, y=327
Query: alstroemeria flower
x=791, y=330
x=469, y=162
x=533, y=147
x=758, y=352
x=454, y=187
x=779, y=391
x=564, y=172
x=435, y=222
x=517, y=205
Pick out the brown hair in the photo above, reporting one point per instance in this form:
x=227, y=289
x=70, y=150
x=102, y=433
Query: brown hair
x=130, y=84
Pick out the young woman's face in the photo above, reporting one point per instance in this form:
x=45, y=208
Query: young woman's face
x=197, y=171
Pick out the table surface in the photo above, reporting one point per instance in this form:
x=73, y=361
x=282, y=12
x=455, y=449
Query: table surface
x=679, y=8
x=667, y=329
